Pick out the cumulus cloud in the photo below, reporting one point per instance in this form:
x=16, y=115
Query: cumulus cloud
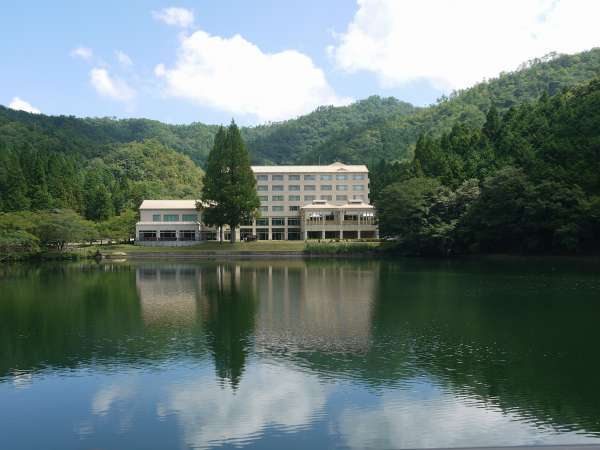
x=267, y=395
x=178, y=17
x=456, y=44
x=234, y=75
x=83, y=53
x=438, y=419
x=22, y=105
x=111, y=87
x=124, y=58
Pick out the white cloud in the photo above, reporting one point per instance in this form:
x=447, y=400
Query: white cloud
x=178, y=17
x=234, y=75
x=456, y=44
x=211, y=414
x=22, y=105
x=111, y=87
x=438, y=419
x=124, y=58
x=82, y=52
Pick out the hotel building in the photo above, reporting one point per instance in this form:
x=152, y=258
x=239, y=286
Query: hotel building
x=296, y=203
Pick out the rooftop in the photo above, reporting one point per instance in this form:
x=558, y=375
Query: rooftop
x=325, y=205
x=168, y=204
x=334, y=167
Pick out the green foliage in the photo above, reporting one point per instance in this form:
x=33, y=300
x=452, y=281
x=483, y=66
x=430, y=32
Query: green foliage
x=120, y=228
x=35, y=178
x=230, y=186
x=538, y=167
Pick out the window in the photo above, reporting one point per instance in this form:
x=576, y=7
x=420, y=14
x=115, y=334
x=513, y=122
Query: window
x=277, y=177
x=263, y=209
x=262, y=187
x=263, y=198
x=278, y=234
x=310, y=177
x=341, y=176
x=294, y=208
x=309, y=187
x=341, y=198
x=293, y=221
x=329, y=217
x=358, y=187
x=294, y=198
x=358, y=197
x=358, y=176
x=277, y=187
x=262, y=177
x=294, y=177
x=350, y=218
x=171, y=218
x=326, y=187
x=262, y=234
x=277, y=221
x=277, y=198
x=187, y=235
x=341, y=187
x=293, y=187
x=168, y=235
x=293, y=234
x=262, y=222
x=326, y=177
x=326, y=197
x=147, y=235
x=189, y=217
x=309, y=198
x=155, y=217
x=277, y=208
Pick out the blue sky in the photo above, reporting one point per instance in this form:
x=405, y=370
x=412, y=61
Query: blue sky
x=260, y=61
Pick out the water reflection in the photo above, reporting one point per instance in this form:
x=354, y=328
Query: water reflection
x=267, y=396
x=273, y=353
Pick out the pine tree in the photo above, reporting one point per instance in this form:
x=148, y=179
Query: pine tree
x=229, y=183
x=214, y=183
x=242, y=199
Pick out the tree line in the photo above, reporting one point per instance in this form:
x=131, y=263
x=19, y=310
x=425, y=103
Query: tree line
x=527, y=180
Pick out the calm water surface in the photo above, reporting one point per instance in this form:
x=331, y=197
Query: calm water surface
x=299, y=354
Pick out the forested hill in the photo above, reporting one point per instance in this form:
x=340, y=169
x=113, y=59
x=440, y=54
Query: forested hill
x=93, y=137
x=394, y=139
x=363, y=132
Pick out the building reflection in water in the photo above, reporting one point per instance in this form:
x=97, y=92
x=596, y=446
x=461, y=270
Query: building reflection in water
x=262, y=305
x=168, y=294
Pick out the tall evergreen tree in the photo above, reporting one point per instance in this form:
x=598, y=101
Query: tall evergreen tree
x=229, y=184
x=214, y=183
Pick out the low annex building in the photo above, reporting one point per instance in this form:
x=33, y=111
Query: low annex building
x=297, y=203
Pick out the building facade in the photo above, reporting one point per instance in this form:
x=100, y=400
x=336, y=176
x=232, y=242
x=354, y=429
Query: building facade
x=296, y=203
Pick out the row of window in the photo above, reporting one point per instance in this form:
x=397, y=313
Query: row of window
x=339, y=176
x=310, y=187
x=277, y=221
x=174, y=218
x=308, y=198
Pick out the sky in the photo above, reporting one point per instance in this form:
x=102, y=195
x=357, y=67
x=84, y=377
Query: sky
x=261, y=61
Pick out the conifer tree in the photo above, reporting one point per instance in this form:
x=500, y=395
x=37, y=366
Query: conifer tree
x=229, y=183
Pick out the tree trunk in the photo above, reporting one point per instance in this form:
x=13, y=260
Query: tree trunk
x=221, y=234
x=232, y=235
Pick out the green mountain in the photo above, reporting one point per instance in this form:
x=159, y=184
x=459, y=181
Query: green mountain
x=394, y=138
x=54, y=161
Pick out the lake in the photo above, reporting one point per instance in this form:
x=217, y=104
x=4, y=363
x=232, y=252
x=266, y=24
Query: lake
x=299, y=354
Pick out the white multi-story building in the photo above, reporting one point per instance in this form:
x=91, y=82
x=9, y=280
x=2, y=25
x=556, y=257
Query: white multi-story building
x=297, y=203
